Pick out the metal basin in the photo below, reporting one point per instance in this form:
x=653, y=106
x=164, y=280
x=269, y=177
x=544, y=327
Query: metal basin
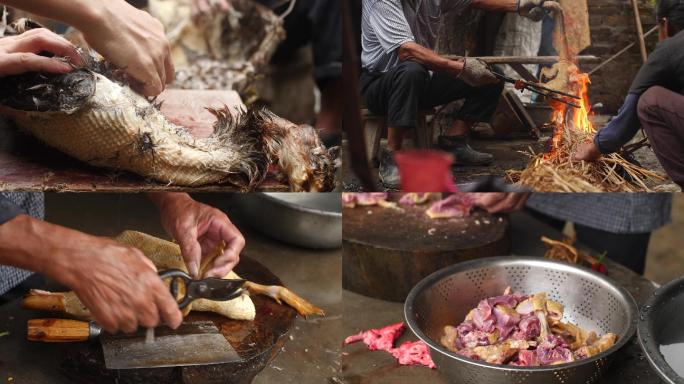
x=661, y=331
x=310, y=220
x=591, y=301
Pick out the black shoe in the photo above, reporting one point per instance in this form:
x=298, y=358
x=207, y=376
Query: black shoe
x=463, y=152
x=388, y=171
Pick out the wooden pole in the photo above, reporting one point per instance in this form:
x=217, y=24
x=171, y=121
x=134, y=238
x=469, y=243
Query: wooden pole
x=640, y=30
x=352, y=105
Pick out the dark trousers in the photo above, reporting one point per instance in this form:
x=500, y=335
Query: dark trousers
x=400, y=92
x=661, y=113
x=626, y=249
x=318, y=22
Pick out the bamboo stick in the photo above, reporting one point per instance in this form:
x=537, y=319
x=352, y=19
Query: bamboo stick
x=640, y=31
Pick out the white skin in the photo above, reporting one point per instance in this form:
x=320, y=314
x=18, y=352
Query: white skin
x=129, y=38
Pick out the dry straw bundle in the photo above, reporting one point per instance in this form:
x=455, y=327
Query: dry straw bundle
x=558, y=172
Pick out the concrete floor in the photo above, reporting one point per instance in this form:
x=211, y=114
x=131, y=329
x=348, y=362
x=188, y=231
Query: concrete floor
x=665, y=259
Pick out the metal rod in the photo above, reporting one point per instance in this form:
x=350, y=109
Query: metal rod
x=640, y=31
x=535, y=85
x=622, y=51
x=527, y=59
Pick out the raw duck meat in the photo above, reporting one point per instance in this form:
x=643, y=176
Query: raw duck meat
x=415, y=198
x=366, y=199
x=408, y=353
x=456, y=205
x=521, y=330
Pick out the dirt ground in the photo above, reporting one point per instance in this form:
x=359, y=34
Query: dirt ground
x=666, y=252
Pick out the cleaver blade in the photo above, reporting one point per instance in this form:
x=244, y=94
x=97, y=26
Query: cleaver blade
x=196, y=343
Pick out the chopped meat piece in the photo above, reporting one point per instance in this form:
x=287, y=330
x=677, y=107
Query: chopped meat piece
x=528, y=328
x=414, y=198
x=456, y=205
x=527, y=358
x=348, y=200
x=409, y=353
x=450, y=338
x=352, y=199
x=413, y=353
x=371, y=198
x=495, y=354
x=555, y=311
x=554, y=350
x=606, y=341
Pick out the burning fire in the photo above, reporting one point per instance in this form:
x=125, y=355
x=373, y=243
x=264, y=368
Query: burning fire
x=579, y=116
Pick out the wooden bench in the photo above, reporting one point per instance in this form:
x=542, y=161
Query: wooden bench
x=375, y=128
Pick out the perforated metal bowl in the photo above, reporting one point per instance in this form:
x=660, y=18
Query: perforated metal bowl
x=591, y=301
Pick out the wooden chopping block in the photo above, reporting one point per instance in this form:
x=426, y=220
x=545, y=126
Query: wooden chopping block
x=386, y=252
x=257, y=342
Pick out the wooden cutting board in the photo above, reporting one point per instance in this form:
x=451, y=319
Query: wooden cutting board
x=257, y=342
x=386, y=251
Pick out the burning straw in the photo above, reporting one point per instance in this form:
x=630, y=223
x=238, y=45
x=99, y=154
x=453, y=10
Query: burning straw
x=556, y=171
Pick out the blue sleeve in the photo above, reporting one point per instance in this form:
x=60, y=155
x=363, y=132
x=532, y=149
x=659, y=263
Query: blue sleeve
x=621, y=129
x=8, y=210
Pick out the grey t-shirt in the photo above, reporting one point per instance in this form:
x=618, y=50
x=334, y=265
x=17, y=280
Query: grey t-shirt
x=387, y=24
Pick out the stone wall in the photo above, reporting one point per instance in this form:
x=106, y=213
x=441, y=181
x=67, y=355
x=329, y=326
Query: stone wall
x=612, y=29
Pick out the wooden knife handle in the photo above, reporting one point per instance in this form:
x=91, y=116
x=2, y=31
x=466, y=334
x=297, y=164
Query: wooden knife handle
x=58, y=330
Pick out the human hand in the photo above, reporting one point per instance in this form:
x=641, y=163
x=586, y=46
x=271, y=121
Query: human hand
x=132, y=40
x=500, y=202
x=476, y=73
x=117, y=283
x=587, y=151
x=21, y=53
x=199, y=229
x=532, y=9
x=203, y=9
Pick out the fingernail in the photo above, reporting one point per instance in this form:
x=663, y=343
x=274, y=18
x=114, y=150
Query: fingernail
x=193, y=268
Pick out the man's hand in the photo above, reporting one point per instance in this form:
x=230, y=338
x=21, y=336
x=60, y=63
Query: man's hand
x=587, y=151
x=21, y=54
x=117, y=283
x=532, y=9
x=476, y=73
x=132, y=40
x=501, y=202
x=203, y=9
x=199, y=229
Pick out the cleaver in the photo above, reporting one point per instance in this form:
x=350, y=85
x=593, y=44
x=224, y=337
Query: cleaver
x=193, y=343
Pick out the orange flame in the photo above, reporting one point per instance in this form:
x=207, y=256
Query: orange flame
x=579, y=116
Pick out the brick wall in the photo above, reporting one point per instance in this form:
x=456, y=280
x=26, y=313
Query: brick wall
x=612, y=29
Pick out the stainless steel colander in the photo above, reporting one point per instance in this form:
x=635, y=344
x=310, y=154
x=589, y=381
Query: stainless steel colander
x=591, y=301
